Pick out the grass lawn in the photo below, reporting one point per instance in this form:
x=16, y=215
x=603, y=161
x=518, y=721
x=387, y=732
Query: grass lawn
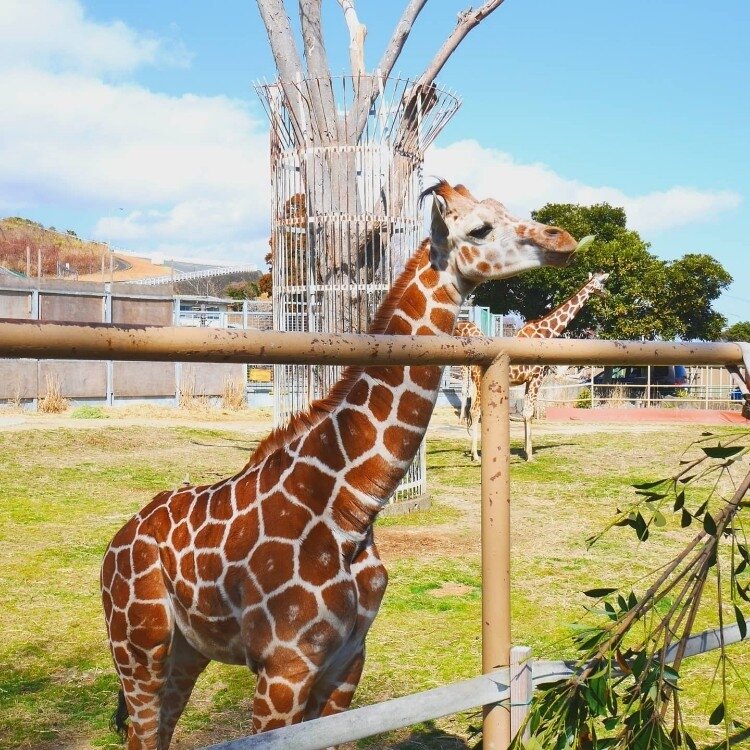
x=64, y=492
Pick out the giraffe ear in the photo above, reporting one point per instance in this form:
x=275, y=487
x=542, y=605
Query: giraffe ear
x=591, y=275
x=438, y=227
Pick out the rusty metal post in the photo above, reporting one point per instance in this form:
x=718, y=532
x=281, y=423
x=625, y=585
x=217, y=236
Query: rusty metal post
x=496, y=540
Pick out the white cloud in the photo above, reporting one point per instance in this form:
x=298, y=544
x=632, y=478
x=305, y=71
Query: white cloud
x=56, y=35
x=523, y=187
x=187, y=169
x=187, y=176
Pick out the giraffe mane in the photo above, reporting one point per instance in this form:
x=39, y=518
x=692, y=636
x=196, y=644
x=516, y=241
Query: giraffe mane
x=318, y=410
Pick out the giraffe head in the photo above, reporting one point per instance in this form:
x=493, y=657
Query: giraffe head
x=596, y=283
x=482, y=241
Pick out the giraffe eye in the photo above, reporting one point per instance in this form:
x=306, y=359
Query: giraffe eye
x=481, y=232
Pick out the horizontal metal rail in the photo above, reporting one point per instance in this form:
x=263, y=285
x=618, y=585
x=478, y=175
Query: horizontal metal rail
x=43, y=340
x=432, y=704
x=188, y=275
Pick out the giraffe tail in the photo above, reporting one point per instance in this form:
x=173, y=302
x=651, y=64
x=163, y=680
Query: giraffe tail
x=466, y=416
x=118, y=722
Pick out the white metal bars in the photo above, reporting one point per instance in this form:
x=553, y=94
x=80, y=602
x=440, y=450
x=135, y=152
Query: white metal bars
x=344, y=213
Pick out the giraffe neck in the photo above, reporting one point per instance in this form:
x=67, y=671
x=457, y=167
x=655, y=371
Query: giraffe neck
x=383, y=418
x=556, y=321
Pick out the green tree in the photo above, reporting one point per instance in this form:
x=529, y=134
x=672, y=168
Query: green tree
x=242, y=290
x=737, y=332
x=648, y=297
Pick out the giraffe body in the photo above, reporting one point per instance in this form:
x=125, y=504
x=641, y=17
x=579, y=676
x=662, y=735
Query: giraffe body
x=551, y=325
x=276, y=567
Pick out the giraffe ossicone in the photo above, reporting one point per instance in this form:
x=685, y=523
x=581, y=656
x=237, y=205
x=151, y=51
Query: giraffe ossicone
x=276, y=567
x=550, y=326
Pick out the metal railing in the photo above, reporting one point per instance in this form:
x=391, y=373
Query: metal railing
x=206, y=273
x=70, y=341
x=702, y=388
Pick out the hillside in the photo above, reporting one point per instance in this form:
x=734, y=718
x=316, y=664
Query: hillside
x=57, y=249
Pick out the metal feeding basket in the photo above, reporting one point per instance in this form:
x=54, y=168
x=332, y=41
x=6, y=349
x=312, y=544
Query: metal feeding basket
x=346, y=174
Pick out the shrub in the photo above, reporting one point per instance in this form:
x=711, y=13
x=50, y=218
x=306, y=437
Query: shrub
x=88, y=412
x=584, y=399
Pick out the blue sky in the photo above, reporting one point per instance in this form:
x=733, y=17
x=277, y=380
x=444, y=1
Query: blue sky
x=136, y=121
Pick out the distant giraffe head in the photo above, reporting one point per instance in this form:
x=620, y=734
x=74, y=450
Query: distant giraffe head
x=597, y=281
x=480, y=240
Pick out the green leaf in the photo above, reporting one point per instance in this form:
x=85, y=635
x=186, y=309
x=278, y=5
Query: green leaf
x=638, y=664
x=717, y=715
x=670, y=675
x=585, y=242
x=744, y=552
x=641, y=529
x=741, y=624
x=686, y=519
x=659, y=519
x=741, y=567
x=598, y=593
x=698, y=513
x=648, y=485
x=651, y=497
x=679, y=501
x=723, y=451
x=709, y=525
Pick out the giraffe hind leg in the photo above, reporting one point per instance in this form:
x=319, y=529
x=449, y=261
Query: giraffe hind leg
x=140, y=627
x=185, y=666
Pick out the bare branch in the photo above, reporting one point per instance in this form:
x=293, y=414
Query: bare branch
x=400, y=34
x=322, y=99
x=357, y=34
x=281, y=39
x=312, y=38
x=467, y=20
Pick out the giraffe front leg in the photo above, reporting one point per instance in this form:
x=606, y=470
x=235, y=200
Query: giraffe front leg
x=529, y=407
x=283, y=690
x=334, y=693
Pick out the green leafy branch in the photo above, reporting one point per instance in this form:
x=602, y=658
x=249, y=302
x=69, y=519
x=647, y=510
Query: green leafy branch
x=625, y=690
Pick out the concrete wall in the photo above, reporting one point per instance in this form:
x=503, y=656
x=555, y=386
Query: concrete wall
x=205, y=379
x=61, y=307
x=143, y=379
x=142, y=312
x=18, y=379
x=15, y=304
x=77, y=379
x=87, y=302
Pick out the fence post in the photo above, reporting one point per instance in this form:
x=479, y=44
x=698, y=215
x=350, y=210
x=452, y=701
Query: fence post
x=496, y=540
x=521, y=687
x=107, y=315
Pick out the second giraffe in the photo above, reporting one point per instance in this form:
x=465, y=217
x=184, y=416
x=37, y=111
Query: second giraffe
x=550, y=326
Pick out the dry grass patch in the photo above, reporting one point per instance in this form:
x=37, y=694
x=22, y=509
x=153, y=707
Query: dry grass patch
x=53, y=402
x=233, y=394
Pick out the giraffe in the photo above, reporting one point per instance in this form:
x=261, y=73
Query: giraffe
x=276, y=567
x=550, y=326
